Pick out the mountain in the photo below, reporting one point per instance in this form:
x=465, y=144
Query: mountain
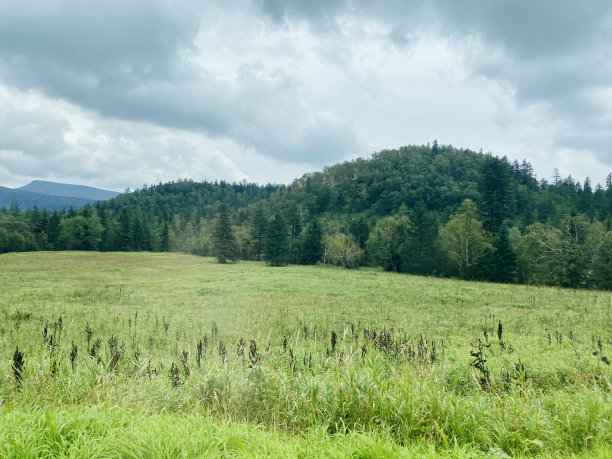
x=67, y=190
x=27, y=200
x=53, y=196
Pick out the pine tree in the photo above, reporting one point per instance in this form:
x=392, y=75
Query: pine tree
x=420, y=257
x=277, y=242
x=312, y=243
x=503, y=264
x=125, y=232
x=259, y=225
x=360, y=230
x=496, y=193
x=225, y=247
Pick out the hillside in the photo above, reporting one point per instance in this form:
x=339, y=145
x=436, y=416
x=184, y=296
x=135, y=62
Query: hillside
x=27, y=199
x=68, y=190
x=402, y=209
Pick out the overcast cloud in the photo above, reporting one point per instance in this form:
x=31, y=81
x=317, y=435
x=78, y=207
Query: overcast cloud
x=122, y=93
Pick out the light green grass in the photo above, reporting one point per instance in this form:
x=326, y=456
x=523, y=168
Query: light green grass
x=398, y=397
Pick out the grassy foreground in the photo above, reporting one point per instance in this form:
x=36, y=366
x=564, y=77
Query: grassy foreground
x=144, y=354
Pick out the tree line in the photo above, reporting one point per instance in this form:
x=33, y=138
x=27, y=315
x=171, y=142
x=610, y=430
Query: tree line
x=428, y=210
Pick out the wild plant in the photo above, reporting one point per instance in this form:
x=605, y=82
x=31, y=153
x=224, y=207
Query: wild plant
x=334, y=340
x=253, y=355
x=115, y=352
x=184, y=357
x=484, y=376
x=175, y=376
x=500, y=338
x=17, y=366
x=95, y=347
x=240, y=347
x=199, y=349
x=222, y=352
x=89, y=334
x=214, y=330
x=166, y=326
x=73, y=355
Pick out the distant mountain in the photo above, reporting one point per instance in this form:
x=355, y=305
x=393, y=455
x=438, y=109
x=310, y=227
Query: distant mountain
x=67, y=190
x=53, y=196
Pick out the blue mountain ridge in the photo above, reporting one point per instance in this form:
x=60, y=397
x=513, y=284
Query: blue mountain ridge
x=52, y=196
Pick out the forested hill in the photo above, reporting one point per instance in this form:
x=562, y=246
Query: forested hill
x=407, y=210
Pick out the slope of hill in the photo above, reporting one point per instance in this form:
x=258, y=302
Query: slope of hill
x=28, y=199
x=402, y=209
x=68, y=190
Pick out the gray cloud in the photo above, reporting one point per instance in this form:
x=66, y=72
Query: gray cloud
x=553, y=53
x=278, y=84
x=135, y=61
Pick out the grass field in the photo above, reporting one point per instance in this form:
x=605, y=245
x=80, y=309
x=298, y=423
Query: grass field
x=142, y=355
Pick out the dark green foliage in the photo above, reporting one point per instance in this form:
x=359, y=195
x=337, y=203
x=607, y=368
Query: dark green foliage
x=312, y=243
x=502, y=265
x=495, y=192
x=559, y=231
x=277, y=242
x=17, y=366
x=421, y=256
x=224, y=242
x=360, y=230
x=259, y=226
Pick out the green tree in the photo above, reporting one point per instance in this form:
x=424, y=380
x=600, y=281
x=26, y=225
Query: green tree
x=360, y=230
x=224, y=243
x=502, y=264
x=539, y=254
x=463, y=240
x=80, y=233
x=495, y=190
x=259, y=226
x=422, y=254
x=125, y=234
x=276, y=249
x=389, y=240
x=312, y=243
x=342, y=250
x=167, y=238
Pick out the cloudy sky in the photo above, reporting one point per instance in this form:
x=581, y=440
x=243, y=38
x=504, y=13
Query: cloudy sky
x=118, y=94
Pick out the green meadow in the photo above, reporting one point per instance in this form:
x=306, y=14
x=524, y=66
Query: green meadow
x=169, y=355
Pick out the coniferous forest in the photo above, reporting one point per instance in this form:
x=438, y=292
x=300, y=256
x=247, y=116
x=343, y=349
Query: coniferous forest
x=426, y=210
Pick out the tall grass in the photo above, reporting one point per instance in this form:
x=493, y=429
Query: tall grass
x=316, y=355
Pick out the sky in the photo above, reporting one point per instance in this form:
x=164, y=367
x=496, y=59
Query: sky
x=121, y=94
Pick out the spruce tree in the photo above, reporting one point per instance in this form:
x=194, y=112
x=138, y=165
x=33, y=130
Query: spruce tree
x=259, y=225
x=277, y=242
x=421, y=255
x=312, y=243
x=503, y=265
x=225, y=247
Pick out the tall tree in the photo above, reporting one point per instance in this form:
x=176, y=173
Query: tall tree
x=421, y=256
x=463, y=240
x=125, y=236
x=389, y=240
x=502, y=265
x=225, y=247
x=276, y=250
x=360, y=230
x=259, y=226
x=495, y=191
x=312, y=243
x=342, y=250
